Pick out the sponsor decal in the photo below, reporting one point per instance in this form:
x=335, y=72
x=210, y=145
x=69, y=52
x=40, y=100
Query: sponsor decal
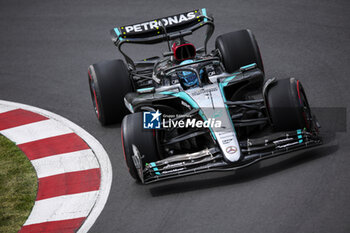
x=192, y=123
x=151, y=120
x=202, y=91
x=173, y=170
x=226, y=141
x=287, y=145
x=154, y=120
x=283, y=140
x=155, y=24
x=174, y=165
x=231, y=149
x=223, y=135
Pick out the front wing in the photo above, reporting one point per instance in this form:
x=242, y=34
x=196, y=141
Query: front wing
x=211, y=159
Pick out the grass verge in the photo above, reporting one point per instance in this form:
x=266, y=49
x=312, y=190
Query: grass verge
x=18, y=186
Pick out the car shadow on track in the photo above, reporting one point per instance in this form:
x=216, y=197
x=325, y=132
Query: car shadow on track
x=211, y=180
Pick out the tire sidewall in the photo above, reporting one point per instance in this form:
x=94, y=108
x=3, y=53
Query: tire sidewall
x=237, y=49
x=92, y=75
x=112, y=82
x=284, y=107
x=127, y=148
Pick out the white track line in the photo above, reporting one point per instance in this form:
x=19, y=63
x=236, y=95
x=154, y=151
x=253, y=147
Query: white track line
x=6, y=108
x=35, y=131
x=63, y=163
x=97, y=148
x=61, y=208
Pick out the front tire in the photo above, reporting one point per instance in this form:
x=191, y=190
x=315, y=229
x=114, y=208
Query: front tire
x=288, y=107
x=133, y=133
x=109, y=82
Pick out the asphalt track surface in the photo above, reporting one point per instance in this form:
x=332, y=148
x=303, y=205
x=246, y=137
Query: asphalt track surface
x=46, y=47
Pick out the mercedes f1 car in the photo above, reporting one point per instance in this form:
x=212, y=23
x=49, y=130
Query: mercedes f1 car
x=193, y=111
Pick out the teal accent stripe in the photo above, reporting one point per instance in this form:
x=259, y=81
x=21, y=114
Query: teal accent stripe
x=221, y=85
x=204, y=12
x=248, y=66
x=299, y=136
x=229, y=79
x=167, y=92
x=153, y=165
x=145, y=89
x=118, y=33
x=299, y=131
x=301, y=140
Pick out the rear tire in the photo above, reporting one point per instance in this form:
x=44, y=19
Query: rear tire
x=238, y=49
x=109, y=82
x=132, y=132
x=288, y=106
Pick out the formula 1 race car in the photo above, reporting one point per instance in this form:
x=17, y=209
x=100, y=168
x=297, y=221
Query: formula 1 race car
x=193, y=111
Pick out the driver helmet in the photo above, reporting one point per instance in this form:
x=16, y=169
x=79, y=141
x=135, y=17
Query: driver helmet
x=189, y=78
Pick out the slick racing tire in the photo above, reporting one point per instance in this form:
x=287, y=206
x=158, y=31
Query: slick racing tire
x=133, y=133
x=287, y=104
x=238, y=49
x=109, y=82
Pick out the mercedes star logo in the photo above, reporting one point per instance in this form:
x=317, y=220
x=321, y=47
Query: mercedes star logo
x=231, y=149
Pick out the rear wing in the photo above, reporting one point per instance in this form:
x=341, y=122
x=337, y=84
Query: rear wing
x=163, y=29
